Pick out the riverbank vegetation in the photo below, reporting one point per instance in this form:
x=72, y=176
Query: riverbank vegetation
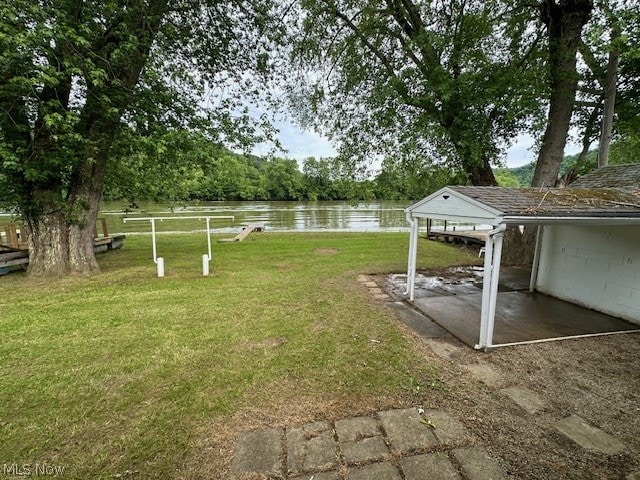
x=182, y=166
x=127, y=374
x=186, y=166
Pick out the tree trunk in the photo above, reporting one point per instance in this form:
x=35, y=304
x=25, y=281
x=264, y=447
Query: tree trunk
x=587, y=138
x=61, y=237
x=57, y=247
x=565, y=21
x=518, y=247
x=481, y=175
x=477, y=169
x=610, y=85
x=60, y=209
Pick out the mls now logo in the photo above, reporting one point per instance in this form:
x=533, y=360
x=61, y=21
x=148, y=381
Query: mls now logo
x=36, y=469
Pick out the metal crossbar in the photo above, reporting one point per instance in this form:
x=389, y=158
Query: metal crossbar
x=159, y=261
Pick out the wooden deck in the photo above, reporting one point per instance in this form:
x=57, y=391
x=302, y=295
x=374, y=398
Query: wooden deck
x=466, y=237
x=245, y=232
x=19, y=259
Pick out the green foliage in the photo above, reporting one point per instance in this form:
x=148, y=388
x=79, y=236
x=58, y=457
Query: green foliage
x=614, y=25
x=413, y=179
x=446, y=80
x=506, y=178
x=621, y=152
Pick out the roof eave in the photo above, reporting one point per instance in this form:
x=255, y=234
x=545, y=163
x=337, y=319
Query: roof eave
x=575, y=220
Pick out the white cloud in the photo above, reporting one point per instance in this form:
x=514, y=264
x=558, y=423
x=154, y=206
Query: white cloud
x=299, y=144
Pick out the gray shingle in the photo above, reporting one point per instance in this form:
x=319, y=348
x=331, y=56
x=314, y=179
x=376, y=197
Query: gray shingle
x=557, y=202
x=612, y=176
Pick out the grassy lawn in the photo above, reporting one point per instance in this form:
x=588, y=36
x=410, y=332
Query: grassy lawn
x=127, y=375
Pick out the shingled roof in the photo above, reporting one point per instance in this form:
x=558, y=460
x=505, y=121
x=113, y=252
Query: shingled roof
x=556, y=202
x=611, y=176
x=610, y=195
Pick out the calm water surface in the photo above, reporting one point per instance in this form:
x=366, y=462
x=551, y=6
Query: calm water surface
x=277, y=216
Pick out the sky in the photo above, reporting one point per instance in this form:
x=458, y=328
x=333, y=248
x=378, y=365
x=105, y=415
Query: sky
x=301, y=144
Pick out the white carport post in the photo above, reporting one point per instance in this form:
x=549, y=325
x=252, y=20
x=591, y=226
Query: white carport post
x=413, y=252
x=492, y=257
x=536, y=259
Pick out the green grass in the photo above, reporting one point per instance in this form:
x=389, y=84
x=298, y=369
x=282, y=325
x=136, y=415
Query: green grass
x=119, y=372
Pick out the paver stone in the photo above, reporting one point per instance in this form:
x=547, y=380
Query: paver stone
x=430, y=465
x=259, y=451
x=405, y=431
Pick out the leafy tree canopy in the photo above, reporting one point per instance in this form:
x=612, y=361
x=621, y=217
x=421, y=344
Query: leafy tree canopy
x=452, y=81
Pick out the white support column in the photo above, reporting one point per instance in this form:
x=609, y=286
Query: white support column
x=409, y=263
x=495, y=277
x=486, y=292
x=209, y=237
x=413, y=249
x=536, y=259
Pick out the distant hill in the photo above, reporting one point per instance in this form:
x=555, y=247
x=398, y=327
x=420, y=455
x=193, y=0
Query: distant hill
x=524, y=174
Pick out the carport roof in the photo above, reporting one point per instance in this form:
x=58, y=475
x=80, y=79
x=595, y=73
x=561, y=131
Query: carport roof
x=495, y=205
x=560, y=202
x=608, y=195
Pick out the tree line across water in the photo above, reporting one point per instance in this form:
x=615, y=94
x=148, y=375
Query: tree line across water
x=194, y=169
x=202, y=171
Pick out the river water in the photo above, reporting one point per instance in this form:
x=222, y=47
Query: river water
x=379, y=216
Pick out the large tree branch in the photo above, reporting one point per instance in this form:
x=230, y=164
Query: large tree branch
x=398, y=84
x=593, y=64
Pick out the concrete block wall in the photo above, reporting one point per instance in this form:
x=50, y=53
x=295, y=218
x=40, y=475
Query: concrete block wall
x=594, y=266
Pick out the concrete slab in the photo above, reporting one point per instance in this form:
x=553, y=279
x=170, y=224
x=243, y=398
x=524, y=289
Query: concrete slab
x=454, y=314
x=311, y=447
x=416, y=321
x=461, y=289
x=588, y=436
x=525, y=398
x=363, y=278
x=371, y=284
x=377, y=471
x=446, y=428
x=478, y=464
x=356, y=428
x=405, y=431
x=485, y=373
x=520, y=316
x=259, y=451
x=382, y=296
x=431, y=465
x=365, y=450
x=432, y=292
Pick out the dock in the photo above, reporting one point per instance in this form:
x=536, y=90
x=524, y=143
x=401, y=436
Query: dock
x=466, y=237
x=245, y=232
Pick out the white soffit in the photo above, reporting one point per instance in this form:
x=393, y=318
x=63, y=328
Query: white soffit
x=447, y=204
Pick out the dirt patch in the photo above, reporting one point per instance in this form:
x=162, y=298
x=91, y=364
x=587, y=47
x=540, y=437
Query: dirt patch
x=595, y=378
x=326, y=251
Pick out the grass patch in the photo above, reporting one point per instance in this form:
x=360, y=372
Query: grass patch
x=118, y=373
